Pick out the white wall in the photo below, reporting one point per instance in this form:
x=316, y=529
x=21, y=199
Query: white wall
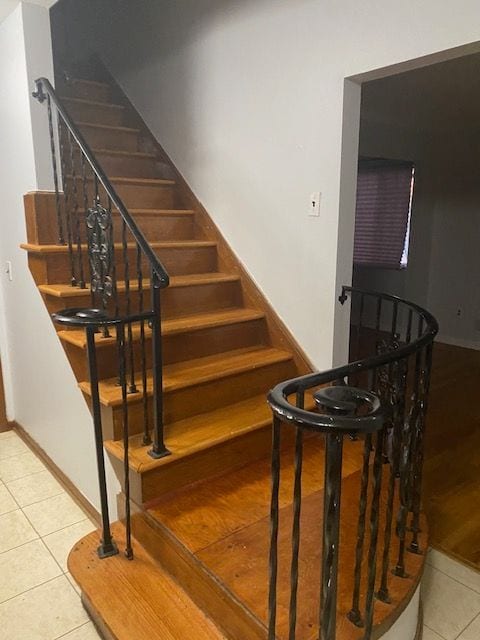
x=41, y=391
x=247, y=97
x=454, y=275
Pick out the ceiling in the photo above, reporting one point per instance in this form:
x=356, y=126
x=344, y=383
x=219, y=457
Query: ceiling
x=443, y=95
x=7, y=6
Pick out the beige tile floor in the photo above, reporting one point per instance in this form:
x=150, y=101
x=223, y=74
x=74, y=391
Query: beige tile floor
x=39, y=524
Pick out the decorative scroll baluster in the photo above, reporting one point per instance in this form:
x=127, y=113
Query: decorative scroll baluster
x=398, y=390
x=274, y=523
x=61, y=236
x=76, y=218
x=297, y=506
x=100, y=254
x=418, y=449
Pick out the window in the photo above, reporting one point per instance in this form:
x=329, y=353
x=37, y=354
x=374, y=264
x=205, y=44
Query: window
x=382, y=218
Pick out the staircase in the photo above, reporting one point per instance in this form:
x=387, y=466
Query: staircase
x=200, y=522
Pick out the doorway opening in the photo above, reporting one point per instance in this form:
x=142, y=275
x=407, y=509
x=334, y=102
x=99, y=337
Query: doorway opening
x=416, y=236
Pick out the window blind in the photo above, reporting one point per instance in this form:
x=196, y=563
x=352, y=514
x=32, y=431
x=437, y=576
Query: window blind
x=384, y=195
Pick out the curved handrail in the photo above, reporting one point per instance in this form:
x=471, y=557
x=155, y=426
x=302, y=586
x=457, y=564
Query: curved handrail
x=287, y=412
x=157, y=267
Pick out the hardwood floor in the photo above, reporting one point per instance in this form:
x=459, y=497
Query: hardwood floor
x=452, y=454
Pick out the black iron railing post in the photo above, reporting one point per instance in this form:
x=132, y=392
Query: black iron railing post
x=158, y=449
x=107, y=546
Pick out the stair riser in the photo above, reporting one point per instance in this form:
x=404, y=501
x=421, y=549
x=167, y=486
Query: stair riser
x=100, y=114
x=133, y=196
x=176, y=347
x=190, y=401
x=55, y=268
x=87, y=91
x=176, y=301
x=42, y=228
x=110, y=139
x=130, y=166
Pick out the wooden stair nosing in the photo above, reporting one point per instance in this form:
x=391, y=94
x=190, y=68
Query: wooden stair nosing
x=171, y=326
x=95, y=83
x=155, y=244
x=207, y=368
x=137, y=182
x=67, y=291
x=107, y=127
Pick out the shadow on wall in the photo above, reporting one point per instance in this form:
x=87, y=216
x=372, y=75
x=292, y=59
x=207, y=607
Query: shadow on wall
x=146, y=44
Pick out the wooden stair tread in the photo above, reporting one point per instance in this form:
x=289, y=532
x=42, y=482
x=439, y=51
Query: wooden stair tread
x=92, y=103
x=155, y=244
x=198, y=432
x=109, y=127
x=198, y=279
x=160, y=607
x=171, y=326
x=188, y=373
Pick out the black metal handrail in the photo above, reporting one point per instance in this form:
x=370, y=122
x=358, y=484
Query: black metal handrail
x=401, y=333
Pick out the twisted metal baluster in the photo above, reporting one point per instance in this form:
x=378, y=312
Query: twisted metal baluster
x=274, y=518
x=126, y=469
x=132, y=387
x=85, y=206
x=143, y=360
x=76, y=218
x=354, y=614
x=61, y=236
x=331, y=535
x=297, y=506
x=374, y=520
x=66, y=202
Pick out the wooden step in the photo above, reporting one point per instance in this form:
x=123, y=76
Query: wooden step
x=216, y=533
x=130, y=163
x=196, y=386
x=200, y=385
x=84, y=110
x=87, y=90
x=160, y=607
x=156, y=224
x=51, y=264
x=110, y=137
x=135, y=193
x=183, y=339
x=185, y=296
x=201, y=446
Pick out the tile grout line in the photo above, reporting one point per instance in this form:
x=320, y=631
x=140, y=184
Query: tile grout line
x=35, y=587
x=436, y=632
x=455, y=579
x=465, y=628
x=71, y=630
